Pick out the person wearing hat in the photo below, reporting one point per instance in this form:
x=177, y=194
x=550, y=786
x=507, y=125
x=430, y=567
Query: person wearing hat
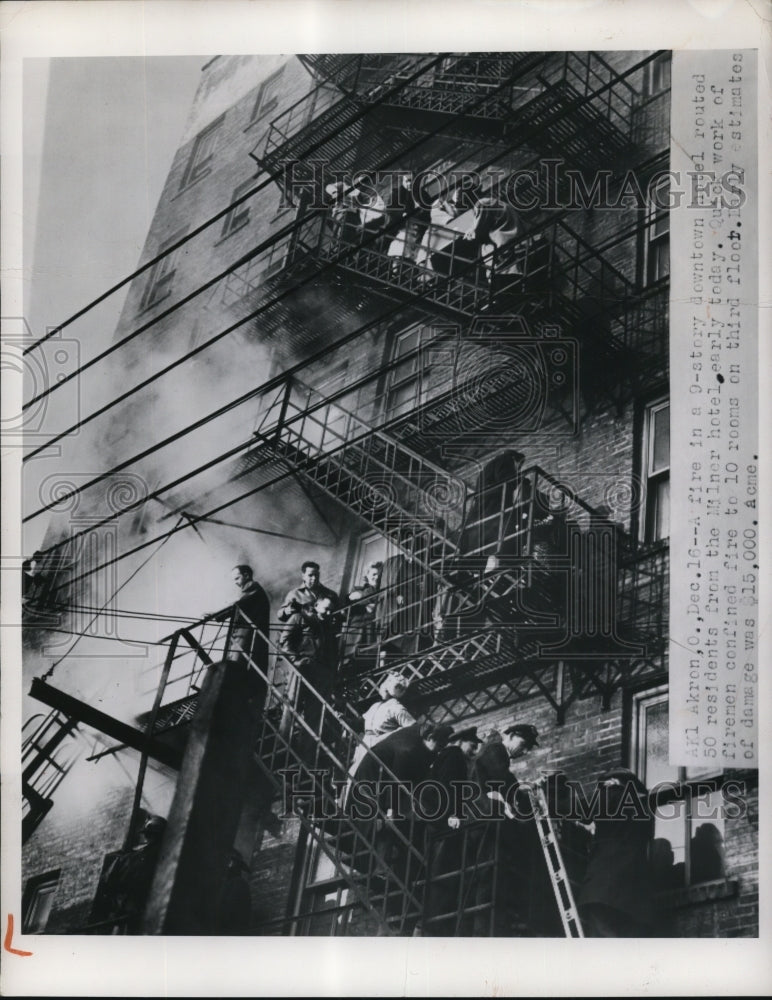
x=451, y=766
x=407, y=755
x=615, y=898
x=502, y=799
x=491, y=765
x=129, y=876
x=444, y=847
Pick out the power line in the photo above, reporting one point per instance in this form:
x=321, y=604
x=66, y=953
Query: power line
x=115, y=593
x=252, y=393
x=139, y=616
x=168, y=486
x=269, y=242
x=189, y=236
x=173, y=531
x=388, y=93
x=213, y=416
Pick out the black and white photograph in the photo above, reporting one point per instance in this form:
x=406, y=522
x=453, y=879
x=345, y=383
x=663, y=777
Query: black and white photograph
x=362, y=584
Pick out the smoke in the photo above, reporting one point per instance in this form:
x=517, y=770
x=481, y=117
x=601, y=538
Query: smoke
x=190, y=574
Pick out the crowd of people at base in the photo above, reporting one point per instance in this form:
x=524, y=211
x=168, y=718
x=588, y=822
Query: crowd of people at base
x=614, y=887
x=444, y=235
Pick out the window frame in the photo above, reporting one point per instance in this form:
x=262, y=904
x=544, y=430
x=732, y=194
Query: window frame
x=198, y=165
x=259, y=111
x=360, y=558
x=652, y=479
x=394, y=382
x=238, y=216
x=656, y=240
x=39, y=887
x=657, y=77
x=161, y=276
x=320, y=896
x=683, y=787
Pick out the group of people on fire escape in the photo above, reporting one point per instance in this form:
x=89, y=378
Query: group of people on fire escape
x=443, y=233
x=381, y=614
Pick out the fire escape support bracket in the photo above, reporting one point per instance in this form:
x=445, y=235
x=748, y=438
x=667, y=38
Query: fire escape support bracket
x=559, y=700
x=107, y=724
x=606, y=687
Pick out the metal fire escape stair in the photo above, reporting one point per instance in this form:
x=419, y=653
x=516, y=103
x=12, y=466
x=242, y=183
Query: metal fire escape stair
x=577, y=105
x=45, y=764
x=388, y=485
x=321, y=127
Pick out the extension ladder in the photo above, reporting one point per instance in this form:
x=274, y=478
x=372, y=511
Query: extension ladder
x=558, y=876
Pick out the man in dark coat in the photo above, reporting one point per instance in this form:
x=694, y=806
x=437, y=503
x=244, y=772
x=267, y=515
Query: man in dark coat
x=616, y=899
x=250, y=618
x=521, y=881
x=407, y=755
x=444, y=844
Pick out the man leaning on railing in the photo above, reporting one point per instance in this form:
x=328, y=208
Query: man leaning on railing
x=249, y=622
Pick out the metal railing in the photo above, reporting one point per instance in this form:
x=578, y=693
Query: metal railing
x=320, y=119
x=524, y=87
x=303, y=739
x=49, y=751
x=644, y=588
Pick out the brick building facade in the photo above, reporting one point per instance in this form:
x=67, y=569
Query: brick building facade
x=345, y=395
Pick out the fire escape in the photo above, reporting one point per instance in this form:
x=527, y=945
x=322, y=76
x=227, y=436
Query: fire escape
x=482, y=625
x=48, y=751
x=550, y=276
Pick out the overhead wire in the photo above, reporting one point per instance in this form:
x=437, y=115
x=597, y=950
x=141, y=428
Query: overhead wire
x=265, y=387
x=196, y=232
x=332, y=265
x=264, y=307
x=267, y=243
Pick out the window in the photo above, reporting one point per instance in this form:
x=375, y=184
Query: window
x=403, y=380
x=327, y=427
x=159, y=282
x=689, y=824
x=656, y=472
x=38, y=901
x=238, y=216
x=372, y=547
x=202, y=155
x=325, y=905
x=657, y=232
x=268, y=96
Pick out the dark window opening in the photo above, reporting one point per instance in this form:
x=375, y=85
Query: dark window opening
x=202, y=155
x=38, y=902
x=268, y=96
